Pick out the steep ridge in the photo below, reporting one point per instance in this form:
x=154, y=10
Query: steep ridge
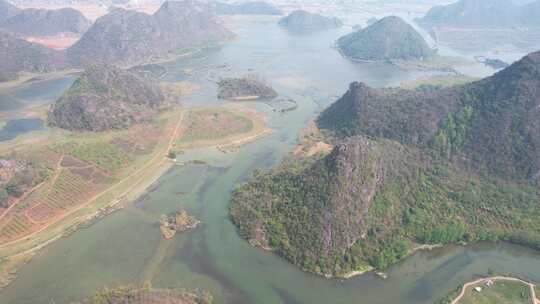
x=491, y=122
x=125, y=37
x=453, y=165
x=42, y=22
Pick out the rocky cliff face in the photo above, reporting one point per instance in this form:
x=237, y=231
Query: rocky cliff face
x=125, y=37
x=390, y=38
x=316, y=215
x=455, y=164
x=305, y=21
x=41, y=22
x=105, y=97
x=490, y=122
x=18, y=55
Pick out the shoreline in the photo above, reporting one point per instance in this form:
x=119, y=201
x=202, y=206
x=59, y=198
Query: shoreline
x=231, y=142
x=137, y=186
x=25, y=78
x=96, y=208
x=485, y=280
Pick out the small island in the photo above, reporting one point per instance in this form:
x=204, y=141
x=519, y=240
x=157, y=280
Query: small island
x=390, y=38
x=305, y=21
x=493, y=63
x=245, y=88
x=177, y=222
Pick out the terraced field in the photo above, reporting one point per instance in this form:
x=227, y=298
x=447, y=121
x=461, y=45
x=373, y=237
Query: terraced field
x=66, y=189
x=81, y=169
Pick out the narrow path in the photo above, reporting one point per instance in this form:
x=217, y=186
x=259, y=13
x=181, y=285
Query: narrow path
x=496, y=278
x=161, y=154
x=57, y=171
x=27, y=193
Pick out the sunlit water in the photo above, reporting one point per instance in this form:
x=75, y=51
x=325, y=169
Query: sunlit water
x=127, y=247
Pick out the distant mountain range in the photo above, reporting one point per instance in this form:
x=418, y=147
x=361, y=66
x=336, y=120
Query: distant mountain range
x=105, y=97
x=483, y=13
x=247, y=8
x=390, y=38
x=41, y=22
x=458, y=164
x=18, y=55
x=305, y=21
x=122, y=37
x=126, y=37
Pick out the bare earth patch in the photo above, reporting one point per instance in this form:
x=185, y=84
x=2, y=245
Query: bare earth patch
x=58, y=42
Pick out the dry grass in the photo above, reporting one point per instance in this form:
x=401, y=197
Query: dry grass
x=500, y=292
x=221, y=127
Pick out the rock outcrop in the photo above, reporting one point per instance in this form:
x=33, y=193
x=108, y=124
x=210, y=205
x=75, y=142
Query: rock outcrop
x=458, y=164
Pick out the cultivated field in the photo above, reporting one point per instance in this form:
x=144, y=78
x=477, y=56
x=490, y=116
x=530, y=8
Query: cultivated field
x=80, y=168
x=220, y=126
x=89, y=175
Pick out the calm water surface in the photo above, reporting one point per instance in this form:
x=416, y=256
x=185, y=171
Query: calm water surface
x=16, y=127
x=126, y=247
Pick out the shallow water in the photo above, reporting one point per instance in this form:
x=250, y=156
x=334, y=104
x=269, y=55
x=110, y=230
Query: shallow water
x=34, y=93
x=126, y=247
x=16, y=127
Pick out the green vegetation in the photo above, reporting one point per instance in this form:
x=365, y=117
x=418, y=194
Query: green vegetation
x=453, y=132
x=451, y=296
x=416, y=203
x=500, y=293
x=435, y=83
x=171, y=154
x=146, y=294
x=22, y=175
x=103, y=154
x=408, y=167
x=486, y=124
x=390, y=38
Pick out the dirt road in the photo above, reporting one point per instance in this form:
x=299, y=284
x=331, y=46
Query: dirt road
x=496, y=278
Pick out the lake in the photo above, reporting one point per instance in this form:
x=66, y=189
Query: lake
x=127, y=248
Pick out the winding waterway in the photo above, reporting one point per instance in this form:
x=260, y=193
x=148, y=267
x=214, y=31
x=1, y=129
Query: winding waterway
x=126, y=247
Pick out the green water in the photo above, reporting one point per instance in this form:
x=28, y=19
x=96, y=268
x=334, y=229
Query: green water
x=126, y=247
